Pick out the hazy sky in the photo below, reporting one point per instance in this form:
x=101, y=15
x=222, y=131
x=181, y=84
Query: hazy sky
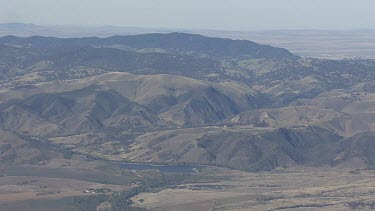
x=195, y=14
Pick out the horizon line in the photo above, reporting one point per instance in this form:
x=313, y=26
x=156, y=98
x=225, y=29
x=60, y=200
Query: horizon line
x=171, y=29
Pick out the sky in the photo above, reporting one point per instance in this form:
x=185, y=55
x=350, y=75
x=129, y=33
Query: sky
x=194, y=14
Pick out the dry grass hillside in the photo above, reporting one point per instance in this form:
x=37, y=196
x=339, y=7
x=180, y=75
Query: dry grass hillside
x=179, y=121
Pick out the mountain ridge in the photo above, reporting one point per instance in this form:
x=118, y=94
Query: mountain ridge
x=180, y=43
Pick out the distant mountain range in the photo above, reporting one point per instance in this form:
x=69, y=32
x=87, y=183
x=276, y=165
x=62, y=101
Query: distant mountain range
x=329, y=44
x=172, y=43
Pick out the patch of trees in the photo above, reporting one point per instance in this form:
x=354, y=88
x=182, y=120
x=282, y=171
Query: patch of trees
x=361, y=204
x=89, y=203
x=121, y=201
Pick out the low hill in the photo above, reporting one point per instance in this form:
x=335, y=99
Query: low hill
x=356, y=151
x=285, y=117
x=178, y=99
x=75, y=112
x=247, y=149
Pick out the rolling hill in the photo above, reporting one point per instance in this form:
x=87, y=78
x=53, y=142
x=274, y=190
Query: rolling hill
x=182, y=98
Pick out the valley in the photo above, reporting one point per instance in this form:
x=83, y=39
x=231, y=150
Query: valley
x=167, y=121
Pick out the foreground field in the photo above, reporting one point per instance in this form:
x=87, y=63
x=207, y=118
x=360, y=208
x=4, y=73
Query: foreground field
x=99, y=185
x=299, y=188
